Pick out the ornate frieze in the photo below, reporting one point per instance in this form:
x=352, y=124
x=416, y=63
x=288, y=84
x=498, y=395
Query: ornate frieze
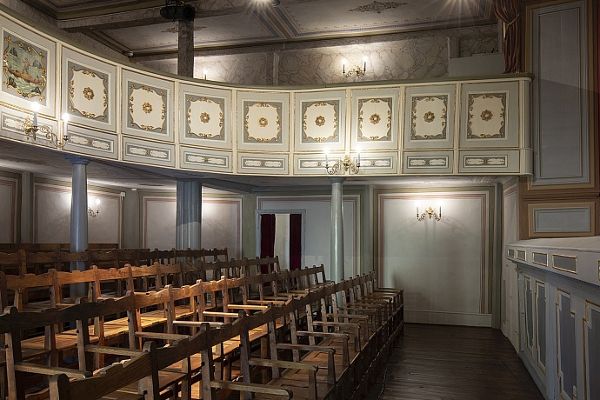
x=148, y=152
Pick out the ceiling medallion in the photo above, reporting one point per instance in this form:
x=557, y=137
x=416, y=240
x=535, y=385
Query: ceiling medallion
x=486, y=115
x=375, y=118
x=204, y=117
x=88, y=93
x=429, y=116
x=378, y=6
x=147, y=107
x=320, y=120
x=263, y=122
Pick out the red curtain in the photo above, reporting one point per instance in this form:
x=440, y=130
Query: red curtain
x=295, y=241
x=508, y=11
x=267, y=238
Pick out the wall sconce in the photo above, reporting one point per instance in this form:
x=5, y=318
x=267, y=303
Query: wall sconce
x=355, y=70
x=344, y=165
x=429, y=212
x=31, y=128
x=94, y=213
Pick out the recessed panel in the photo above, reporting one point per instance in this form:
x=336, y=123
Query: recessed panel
x=490, y=115
x=320, y=120
x=263, y=121
x=205, y=160
x=91, y=142
x=251, y=163
x=567, y=350
x=375, y=119
x=148, y=152
x=429, y=117
x=489, y=161
x=147, y=109
x=439, y=162
x=88, y=92
x=205, y=118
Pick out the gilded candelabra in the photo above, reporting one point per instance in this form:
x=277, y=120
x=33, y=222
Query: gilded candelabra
x=344, y=165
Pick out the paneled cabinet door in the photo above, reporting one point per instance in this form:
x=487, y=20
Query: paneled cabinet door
x=489, y=115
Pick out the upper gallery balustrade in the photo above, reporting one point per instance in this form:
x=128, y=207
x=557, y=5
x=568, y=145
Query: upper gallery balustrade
x=100, y=108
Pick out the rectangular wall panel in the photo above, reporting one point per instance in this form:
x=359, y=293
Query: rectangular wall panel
x=563, y=218
x=567, y=353
x=8, y=209
x=560, y=94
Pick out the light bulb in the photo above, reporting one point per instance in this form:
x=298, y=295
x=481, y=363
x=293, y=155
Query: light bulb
x=66, y=117
x=35, y=106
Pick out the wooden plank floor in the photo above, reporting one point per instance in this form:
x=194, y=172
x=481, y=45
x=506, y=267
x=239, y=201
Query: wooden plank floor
x=433, y=362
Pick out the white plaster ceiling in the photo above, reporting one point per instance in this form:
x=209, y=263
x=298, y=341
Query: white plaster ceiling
x=136, y=26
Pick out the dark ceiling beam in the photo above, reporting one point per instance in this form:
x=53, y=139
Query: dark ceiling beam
x=139, y=17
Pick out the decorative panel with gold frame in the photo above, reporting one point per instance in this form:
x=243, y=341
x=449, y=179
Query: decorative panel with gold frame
x=205, y=160
x=489, y=161
x=375, y=119
x=490, y=115
x=259, y=164
x=147, y=109
x=153, y=153
x=429, y=117
x=416, y=162
x=92, y=142
x=320, y=120
x=263, y=121
x=88, y=91
x=28, y=68
x=205, y=116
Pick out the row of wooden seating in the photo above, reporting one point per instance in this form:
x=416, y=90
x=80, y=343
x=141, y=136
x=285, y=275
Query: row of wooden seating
x=12, y=247
x=53, y=288
x=219, y=318
x=24, y=261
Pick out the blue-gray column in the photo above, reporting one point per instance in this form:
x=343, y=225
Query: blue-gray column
x=189, y=214
x=337, y=229
x=79, y=216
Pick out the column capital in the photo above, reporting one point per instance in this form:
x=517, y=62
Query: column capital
x=337, y=179
x=77, y=160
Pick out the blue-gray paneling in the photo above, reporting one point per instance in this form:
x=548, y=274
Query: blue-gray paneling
x=567, y=354
x=560, y=122
x=593, y=355
x=541, y=323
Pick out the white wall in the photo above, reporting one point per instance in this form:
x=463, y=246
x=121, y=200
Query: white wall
x=8, y=209
x=221, y=222
x=510, y=234
x=443, y=266
x=52, y=209
x=316, y=224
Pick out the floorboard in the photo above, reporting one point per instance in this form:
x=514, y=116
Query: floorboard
x=434, y=362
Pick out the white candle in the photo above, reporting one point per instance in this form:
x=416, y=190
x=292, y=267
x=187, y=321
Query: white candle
x=36, y=108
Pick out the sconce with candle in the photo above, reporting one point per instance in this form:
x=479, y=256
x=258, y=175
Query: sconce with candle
x=94, y=213
x=356, y=70
x=431, y=213
x=31, y=128
x=346, y=164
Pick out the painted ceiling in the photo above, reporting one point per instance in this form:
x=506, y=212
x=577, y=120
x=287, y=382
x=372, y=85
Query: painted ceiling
x=136, y=26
